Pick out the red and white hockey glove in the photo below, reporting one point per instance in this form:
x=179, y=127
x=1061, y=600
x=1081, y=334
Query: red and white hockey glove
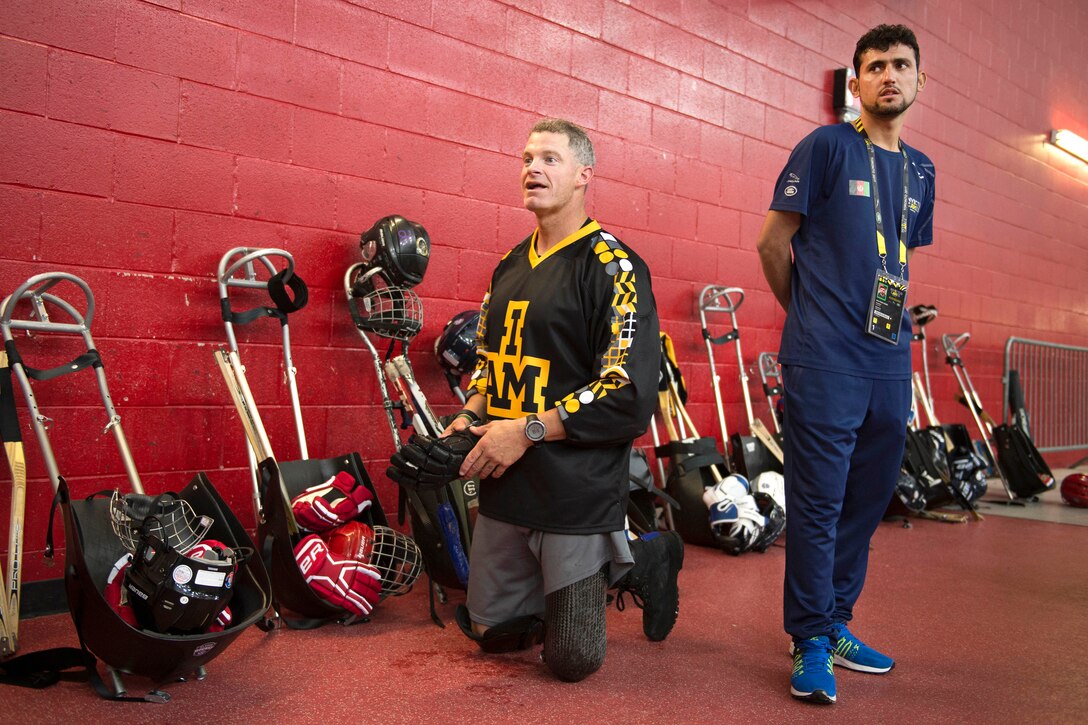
x=348, y=584
x=331, y=503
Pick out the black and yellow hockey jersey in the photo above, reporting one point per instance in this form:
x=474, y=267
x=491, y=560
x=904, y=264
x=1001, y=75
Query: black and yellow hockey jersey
x=575, y=329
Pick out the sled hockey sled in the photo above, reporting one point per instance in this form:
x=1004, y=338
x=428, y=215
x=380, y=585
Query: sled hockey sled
x=92, y=546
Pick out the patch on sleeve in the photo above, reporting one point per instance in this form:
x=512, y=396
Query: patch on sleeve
x=610, y=253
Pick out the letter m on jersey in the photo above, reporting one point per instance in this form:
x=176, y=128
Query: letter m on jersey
x=518, y=380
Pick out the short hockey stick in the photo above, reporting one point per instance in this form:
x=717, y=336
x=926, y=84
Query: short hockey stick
x=235, y=377
x=13, y=448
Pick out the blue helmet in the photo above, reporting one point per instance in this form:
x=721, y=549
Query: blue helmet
x=455, y=348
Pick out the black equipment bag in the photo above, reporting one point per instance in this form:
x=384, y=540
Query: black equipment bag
x=966, y=468
x=91, y=550
x=689, y=475
x=751, y=457
x=276, y=545
x=1025, y=470
x=438, y=518
x=924, y=459
x=1018, y=411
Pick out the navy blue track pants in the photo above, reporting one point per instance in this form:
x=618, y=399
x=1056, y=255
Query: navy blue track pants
x=844, y=439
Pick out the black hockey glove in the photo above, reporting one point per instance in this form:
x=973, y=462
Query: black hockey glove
x=427, y=463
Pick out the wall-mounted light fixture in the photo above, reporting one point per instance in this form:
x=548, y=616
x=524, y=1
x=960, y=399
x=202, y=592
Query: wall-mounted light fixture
x=845, y=105
x=1070, y=143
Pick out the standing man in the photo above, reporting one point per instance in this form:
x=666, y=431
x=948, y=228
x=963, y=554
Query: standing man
x=852, y=202
x=568, y=345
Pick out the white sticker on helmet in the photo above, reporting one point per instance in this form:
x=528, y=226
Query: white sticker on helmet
x=208, y=578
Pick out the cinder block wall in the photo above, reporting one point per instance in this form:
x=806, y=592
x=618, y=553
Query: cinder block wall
x=141, y=140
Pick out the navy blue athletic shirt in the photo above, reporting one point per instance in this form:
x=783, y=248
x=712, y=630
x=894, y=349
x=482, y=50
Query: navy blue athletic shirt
x=828, y=181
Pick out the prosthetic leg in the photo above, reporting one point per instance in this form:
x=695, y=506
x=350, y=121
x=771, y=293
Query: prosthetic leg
x=574, y=637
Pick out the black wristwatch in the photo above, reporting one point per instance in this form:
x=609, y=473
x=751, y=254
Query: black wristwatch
x=535, y=430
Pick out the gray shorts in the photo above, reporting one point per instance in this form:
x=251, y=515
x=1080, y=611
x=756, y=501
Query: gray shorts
x=513, y=568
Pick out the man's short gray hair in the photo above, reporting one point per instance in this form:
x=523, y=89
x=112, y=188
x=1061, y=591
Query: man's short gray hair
x=576, y=137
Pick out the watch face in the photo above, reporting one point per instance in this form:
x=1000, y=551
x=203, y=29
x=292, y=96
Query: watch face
x=535, y=430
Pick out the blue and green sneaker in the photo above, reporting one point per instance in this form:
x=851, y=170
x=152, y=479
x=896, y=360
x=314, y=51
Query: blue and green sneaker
x=813, y=676
x=852, y=653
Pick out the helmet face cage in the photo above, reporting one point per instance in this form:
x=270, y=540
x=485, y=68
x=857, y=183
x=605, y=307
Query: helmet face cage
x=401, y=247
x=455, y=348
x=397, y=558
x=387, y=311
x=168, y=518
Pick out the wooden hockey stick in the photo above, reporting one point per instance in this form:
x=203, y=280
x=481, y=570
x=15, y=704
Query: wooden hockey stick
x=13, y=449
x=927, y=407
x=235, y=377
x=755, y=424
x=664, y=402
x=760, y=431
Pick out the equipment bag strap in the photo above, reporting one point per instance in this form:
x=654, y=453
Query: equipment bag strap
x=691, y=455
x=278, y=285
x=721, y=339
x=44, y=668
x=90, y=358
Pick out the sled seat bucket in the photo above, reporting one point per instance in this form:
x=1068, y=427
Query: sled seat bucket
x=92, y=548
x=289, y=589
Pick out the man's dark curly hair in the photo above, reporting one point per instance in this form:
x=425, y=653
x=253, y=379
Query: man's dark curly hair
x=883, y=37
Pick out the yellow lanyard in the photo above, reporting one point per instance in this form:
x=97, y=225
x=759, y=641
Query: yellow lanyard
x=881, y=248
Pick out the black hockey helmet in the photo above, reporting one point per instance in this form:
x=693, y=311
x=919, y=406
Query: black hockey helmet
x=171, y=592
x=776, y=521
x=455, y=348
x=910, y=492
x=400, y=247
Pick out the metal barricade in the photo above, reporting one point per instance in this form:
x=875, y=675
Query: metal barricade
x=1055, y=382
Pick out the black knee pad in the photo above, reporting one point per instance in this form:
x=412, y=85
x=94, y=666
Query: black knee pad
x=509, y=636
x=574, y=641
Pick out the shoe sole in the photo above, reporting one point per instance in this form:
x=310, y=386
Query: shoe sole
x=818, y=697
x=843, y=662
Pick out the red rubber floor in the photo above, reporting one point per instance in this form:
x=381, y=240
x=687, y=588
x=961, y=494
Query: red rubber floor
x=988, y=622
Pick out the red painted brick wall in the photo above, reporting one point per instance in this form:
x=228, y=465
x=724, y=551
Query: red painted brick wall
x=142, y=140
